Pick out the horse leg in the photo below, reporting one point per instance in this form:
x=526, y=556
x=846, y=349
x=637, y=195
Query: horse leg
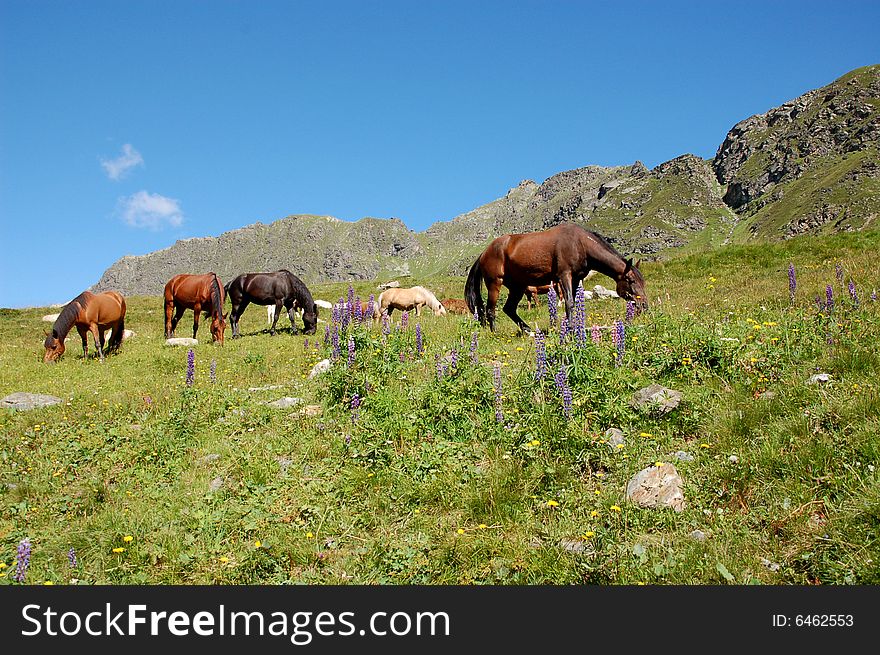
x=235, y=315
x=83, y=333
x=277, y=313
x=197, y=313
x=291, y=310
x=172, y=325
x=493, y=289
x=418, y=309
x=513, y=299
x=567, y=295
x=169, y=325
x=96, y=335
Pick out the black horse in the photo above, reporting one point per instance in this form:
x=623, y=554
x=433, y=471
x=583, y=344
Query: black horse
x=278, y=288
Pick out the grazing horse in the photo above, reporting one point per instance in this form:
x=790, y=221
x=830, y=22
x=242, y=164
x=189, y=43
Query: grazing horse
x=200, y=293
x=406, y=299
x=532, y=292
x=455, y=306
x=565, y=254
x=281, y=288
x=88, y=312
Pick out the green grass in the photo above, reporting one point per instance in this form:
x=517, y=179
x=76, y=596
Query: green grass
x=431, y=488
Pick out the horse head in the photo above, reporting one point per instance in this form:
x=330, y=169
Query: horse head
x=310, y=319
x=631, y=285
x=54, y=348
x=440, y=310
x=218, y=326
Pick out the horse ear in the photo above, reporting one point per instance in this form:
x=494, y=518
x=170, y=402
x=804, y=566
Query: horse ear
x=638, y=263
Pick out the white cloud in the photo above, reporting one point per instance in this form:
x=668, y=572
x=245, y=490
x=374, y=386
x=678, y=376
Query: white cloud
x=150, y=210
x=117, y=168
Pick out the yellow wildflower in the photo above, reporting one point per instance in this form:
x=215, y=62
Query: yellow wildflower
x=616, y=508
x=128, y=538
x=258, y=544
x=119, y=550
x=552, y=503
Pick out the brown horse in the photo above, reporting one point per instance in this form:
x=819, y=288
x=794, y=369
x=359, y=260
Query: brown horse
x=455, y=306
x=88, y=312
x=532, y=292
x=565, y=254
x=200, y=293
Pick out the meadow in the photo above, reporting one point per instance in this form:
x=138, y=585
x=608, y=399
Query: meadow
x=434, y=456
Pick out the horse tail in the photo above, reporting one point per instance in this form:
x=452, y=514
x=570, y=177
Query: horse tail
x=217, y=295
x=118, y=332
x=472, y=292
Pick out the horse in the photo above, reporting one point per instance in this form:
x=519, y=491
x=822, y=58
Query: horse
x=88, y=312
x=281, y=288
x=565, y=253
x=405, y=299
x=532, y=292
x=455, y=306
x=200, y=293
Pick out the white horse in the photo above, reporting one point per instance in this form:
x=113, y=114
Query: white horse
x=412, y=298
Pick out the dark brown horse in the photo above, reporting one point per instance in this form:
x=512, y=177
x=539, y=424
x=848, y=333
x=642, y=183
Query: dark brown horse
x=565, y=254
x=200, y=293
x=281, y=289
x=88, y=312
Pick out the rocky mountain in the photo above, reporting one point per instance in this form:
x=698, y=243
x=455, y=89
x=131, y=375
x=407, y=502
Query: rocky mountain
x=809, y=166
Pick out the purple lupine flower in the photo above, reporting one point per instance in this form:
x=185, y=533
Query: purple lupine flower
x=404, y=320
x=190, y=367
x=336, y=312
x=350, y=301
x=580, y=317
x=386, y=323
x=474, y=356
x=213, y=371
x=22, y=559
x=420, y=347
x=355, y=407
x=453, y=358
x=402, y=357
x=552, y=300
x=829, y=298
x=350, y=351
x=476, y=314
x=619, y=338
x=563, y=330
x=838, y=271
x=630, y=311
x=306, y=343
x=368, y=315
x=334, y=341
x=596, y=334
x=792, y=282
x=358, y=311
x=561, y=380
x=71, y=558
x=326, y=335
x=819, y=304
x=874, y=295
x=852, y=292
x=438, y=366
x=540, y=355
x=499, y=415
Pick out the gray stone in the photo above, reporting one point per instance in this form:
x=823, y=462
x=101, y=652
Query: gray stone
x=683, y=456
x=216, y=484
x=657, y=397
x=578, y=546
x=284, y=463
x=733, y=459
x=656, y=487
x=209, y=459
x=615, y=437
x=21, y=400
x=698, y=535
x=181, y=341
x=389, y=285
x=51, y=318
x=819, y=378
x=601, y=292
x=311, y=410
x=771, y=566
x=767, y=395
x=321, y=367
x=284, y=403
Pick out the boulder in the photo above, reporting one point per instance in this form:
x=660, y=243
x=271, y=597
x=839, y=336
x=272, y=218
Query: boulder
x=615, y=437
x=181, y=341
x=656, y=397
x=321, y=367
x=656, y=487
x=50, y=318
x=602, y=292
x=819, y=378
x=21, y=400
x=284, y=403
x=324, y=304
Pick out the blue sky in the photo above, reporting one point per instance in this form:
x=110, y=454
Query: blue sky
x=125, y=126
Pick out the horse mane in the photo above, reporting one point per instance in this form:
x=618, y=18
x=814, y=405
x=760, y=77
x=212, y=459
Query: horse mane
x=216, y=297
x=300, y=291
x=431, y=296
x=68, y=315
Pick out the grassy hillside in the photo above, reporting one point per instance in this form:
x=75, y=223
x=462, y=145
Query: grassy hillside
x=425, y=484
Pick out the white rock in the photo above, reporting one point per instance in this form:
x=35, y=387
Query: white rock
x=181, y=341
x=819, y=378
x=321, y=367
x=656, y=487
x=51, y=318
x=324, y=304
x=602, y=292
x=22, y=400
x=283, y=403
